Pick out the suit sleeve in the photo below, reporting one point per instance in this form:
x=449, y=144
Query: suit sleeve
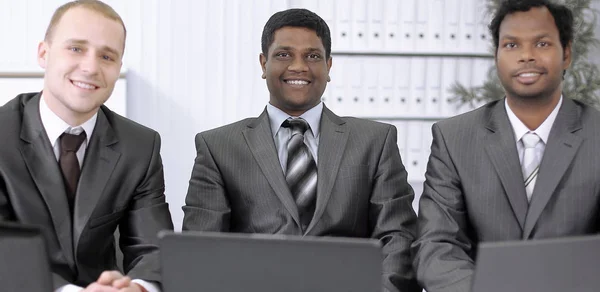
x=206, y=204
x=148, y=214
x=442, y=251
x=392, y=217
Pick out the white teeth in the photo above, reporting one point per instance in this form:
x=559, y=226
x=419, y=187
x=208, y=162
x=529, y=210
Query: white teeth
x=83, y=85
x=529, y=74
x=297, y=82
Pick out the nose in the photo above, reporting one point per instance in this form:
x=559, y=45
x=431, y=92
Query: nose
x=90, y=64
x=298, y=64
x=527, y=55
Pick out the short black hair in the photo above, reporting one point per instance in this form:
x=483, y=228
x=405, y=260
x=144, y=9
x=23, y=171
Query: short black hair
x=563, y=18
x=296, y=17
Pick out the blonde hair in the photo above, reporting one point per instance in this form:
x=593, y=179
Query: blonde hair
x=94, y=5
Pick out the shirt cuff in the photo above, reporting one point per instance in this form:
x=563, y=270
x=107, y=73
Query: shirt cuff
x=149, y=286
x=69, y=288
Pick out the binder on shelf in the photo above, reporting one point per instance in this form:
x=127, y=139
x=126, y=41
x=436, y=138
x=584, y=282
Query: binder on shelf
x=422, y=26
x=483, y=39
x=407, y=26
x=451, y=26
x=467, y=26
x=449, y=69
x=414, y=150
x=354, y=89
x=343, y=26
x=464, y=75
x=436, y=25
x=386, y=106
x=417, y=81
x=392, y=33
x=337, y=85
x=402, y=73
x=359, y=26
x=371, y=99
x=375, y=36
x=433, y=103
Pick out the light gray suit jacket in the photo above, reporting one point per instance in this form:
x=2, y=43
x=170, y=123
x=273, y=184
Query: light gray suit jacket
x=121, y=184
x=237, y=185
x=474, y=189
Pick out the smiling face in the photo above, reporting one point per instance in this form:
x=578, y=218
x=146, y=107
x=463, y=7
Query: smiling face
x=296, y=69
x=82, y=60
x=530, y=59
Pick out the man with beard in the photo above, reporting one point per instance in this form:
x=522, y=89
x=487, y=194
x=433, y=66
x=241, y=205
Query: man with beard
x=524, y=167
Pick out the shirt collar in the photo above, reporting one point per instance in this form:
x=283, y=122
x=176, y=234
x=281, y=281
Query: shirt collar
x=543, y=131
x=312, y=116
x=55, y=126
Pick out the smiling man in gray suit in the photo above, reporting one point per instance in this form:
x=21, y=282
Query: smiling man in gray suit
x=524, y=167
x=298, y=168
x=76, y=169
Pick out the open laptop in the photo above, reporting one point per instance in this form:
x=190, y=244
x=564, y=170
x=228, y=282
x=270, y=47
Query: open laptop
x=24, y=265
x=226, y=262
x=549, y=265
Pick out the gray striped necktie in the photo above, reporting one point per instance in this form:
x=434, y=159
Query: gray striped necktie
x=531, y=162
x=301, y=174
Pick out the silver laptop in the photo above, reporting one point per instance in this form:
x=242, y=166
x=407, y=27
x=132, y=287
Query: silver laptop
x=25, y=265
x=226, y=262
x=550, y=265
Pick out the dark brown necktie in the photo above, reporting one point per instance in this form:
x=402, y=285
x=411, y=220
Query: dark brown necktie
x=69, y=165
x=301, y=174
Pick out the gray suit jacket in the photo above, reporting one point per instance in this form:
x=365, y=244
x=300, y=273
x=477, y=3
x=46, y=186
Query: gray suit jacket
x=121, y=184
x=237, y=185
x=474, y=189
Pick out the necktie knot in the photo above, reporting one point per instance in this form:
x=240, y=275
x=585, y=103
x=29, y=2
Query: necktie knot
x=530, y=140
x=70, y=142
x=298, y=126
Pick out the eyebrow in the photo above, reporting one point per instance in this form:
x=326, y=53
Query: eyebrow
x=288, y=48
x=84, y=42
x=537, y=37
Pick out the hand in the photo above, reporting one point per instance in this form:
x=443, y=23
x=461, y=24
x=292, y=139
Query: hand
x=114, y=281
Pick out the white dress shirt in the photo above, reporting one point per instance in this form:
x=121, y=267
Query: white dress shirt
x=54, y=127
x=543, y=131
x=282, y=135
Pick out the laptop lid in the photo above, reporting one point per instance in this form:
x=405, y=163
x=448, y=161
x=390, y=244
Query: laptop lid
x=549, y=265
x=24, y=265
x=224, y=262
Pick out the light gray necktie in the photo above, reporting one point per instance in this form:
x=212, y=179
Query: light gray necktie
x=531, y=162
x=301, y=174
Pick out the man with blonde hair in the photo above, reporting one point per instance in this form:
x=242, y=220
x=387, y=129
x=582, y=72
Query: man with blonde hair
x=78, y=170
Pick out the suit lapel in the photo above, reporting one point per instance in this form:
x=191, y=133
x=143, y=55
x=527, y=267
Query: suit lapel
x=259, y=137
x=98, y=165
x=39, y=157
x=502, y=150
x=558, y=155
x=332, y=142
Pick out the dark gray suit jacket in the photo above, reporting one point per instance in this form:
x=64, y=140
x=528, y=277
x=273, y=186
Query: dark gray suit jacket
x=237, y=185
x=474, y=189
x=121, y=184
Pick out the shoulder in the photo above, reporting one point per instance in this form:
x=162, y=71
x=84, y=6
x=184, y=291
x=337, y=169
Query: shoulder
x=229, y=130
x=468, y=121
